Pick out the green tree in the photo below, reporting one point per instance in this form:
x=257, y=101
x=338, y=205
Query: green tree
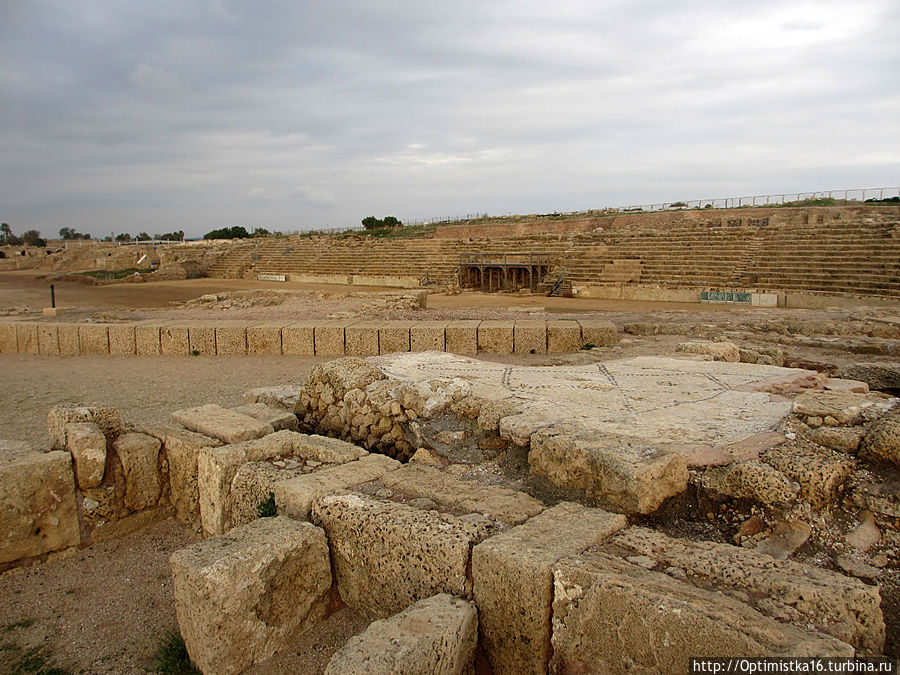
x=5, y=231
x=123, y=237
x=235, y=232
x=33, y=238
x=371, y=223
x=261, y=232
x=143, y=236
x=391, y=221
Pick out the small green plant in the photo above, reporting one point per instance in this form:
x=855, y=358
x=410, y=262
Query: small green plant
x=27, y=623
x=36, y=661
x=588, y=345
x=171, y=656
x=195, y=352
x=266, y=508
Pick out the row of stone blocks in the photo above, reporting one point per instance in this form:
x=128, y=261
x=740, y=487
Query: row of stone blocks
x=567, y=588
x=328, y=338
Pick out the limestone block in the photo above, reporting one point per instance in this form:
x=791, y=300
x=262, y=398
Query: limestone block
x=496, y=337
x=883, y=439
x=461, y=337
x=530, y=337
x=839, y=384
x=8, y=341
x=719, y=351
x=387, y=555
x=394, y=336
x=146, y=340
x=279, y=418
x=879, y=376
x=325, y=449
x=254, y=483
x=284, y=396
x=241, y=597
x=298, y=339
x=751, y=480
x=841, y=606
x=563, y=337
x=174, y=341
x=820, y=473
x=845, y=407
x=294, y=496
x=226, y=425
x=462, y=496
x=59, y=416
x=625, y=474
x=122, y=340
x=87, y=445
x=231, y=340
x=843, y=439
x=361, y=339
x=437, y=635
x=93, y=339
x=427, y=336
x=27, y=338
x=48, y=339
x=611, y=616
x=513, y=581
x=37, y=503
x=139, y=454
x=264, y=340
x=68, y=340
x=329, y=339
x=202, y=339
x=599, y=332
x=182, y=448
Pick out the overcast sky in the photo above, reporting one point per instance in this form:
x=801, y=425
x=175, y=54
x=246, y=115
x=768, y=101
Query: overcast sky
x=195, y=114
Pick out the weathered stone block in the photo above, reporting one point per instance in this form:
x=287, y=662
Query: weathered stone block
x=174, y=340
x=462, y=496
x=68, y=340
x=563, y=337
x=37, y=503
x=719, y=351
x=48, y=339
x=279, y=418
x=241, y=597
x=226, y=425
x=87, y=445
x=294, y=496
x=530, y=337
x=751, y=480
x=146, y=340
x=461, y=337
x=329, y=339
x=284, y=396
x=496, y=337
x=623, y=473
x=820, y=473
x=843, y=439
x=427, y=336
x=879, y=376
x=599, y=332
x=93, y=339
x=231, y=340
x=264, y=340
x=845, y=407
x=883, y=439
x=8, y=342
x=513, y=581
x=361, y=339
x=394, y=336
x=611, y=616
x=202, y=340
x=122, y=340
x=386, y=555
x=436, y=635
x=27, y=338
x=298, y=339
x=107, y=419
x=139, y=455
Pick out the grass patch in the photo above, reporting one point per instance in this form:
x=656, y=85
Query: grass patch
x=171, y=656
x=588, y=345
x=267, y=508
x=27, y=623
x=118, y=274
x=36, y=661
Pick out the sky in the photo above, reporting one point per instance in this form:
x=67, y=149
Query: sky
x=192, y=115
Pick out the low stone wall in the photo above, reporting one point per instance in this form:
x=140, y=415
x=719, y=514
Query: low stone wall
x=308, y=338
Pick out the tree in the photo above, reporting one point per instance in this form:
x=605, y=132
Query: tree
x=33, y=238
x=70, y=233
x=235, y=232
x=371, y=223
x=143, y=236
x=261, y=232
x=123, y=237
x=5, y=231
x=391, y=221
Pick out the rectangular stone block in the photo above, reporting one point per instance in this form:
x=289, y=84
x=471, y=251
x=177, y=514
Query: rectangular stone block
x=394, y=336
x=37, y=503
x=68, y=340
x=93, y=339
x=48, y=339
x=86, y=443
x=361, y=339
x=608, y=613
x=298, y=339
x=202, y=340
x=496, y=337
x=139, y=455
x=513, y=581
x=240, y=599
x=122, y=340
x=530, y=337
x=599, y=332
x=27, y=338
x=218, y=422
x=294, y=496
x=436, y=635
x=106, y=418
x=231, y=340
x=329, y=339
x=9, y=344
x=146, y=340
x=279, y=418
x=427, y=336
x=418, y=481
x=285, y=396
x=264, y=340
x=462, y=336
x=563, y=337
x=387, y=555
x=174, y=341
